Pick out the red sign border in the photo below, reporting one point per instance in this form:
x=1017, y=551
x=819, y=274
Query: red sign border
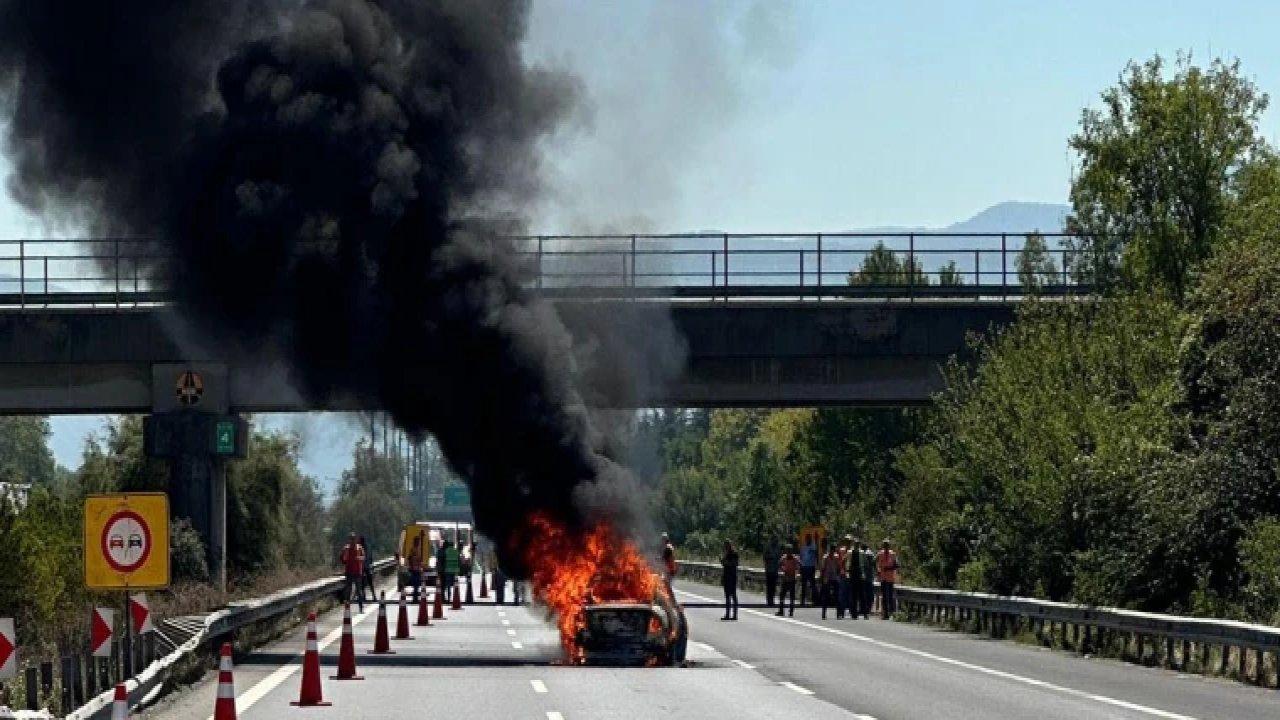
x=146, y=531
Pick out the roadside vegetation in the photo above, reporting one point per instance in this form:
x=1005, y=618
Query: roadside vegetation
x=1118, y=451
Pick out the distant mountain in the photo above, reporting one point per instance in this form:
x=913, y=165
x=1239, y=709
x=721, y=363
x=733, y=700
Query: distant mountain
x=1015, y=217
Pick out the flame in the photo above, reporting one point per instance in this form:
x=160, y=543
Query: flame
x=571, y=568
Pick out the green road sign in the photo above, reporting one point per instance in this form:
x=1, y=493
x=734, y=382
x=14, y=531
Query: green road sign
x=457, y=496
x=226, y=437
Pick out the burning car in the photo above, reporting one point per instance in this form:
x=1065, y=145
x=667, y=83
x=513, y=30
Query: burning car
x=632, y=633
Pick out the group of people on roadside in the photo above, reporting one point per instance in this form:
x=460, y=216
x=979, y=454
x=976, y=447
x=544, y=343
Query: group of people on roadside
x=843, y=577
x=357, y=569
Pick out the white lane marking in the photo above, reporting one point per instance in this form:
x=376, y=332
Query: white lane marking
x=506, y=622
x=247, y=698
x=501, y=614
x=795, y=687
x=517, y=645
x=1155, y=712
x=512, y=633
x=864, y=717
x=552, y=715
x=743, y=665
x=538, y=686
x=705, y=646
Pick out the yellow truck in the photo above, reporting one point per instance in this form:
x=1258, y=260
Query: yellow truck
x=432, y=534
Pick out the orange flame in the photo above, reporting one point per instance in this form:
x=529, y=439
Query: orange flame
x=571, y=568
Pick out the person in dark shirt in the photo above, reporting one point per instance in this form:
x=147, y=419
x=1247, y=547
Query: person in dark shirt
x=729, y=579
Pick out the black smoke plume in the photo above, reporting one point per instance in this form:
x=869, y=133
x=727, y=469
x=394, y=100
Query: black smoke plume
x=330, y=180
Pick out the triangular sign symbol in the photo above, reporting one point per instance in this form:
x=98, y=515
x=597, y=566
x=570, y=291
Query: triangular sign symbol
x=6, y=649
x=100, y=633
x=140, y=613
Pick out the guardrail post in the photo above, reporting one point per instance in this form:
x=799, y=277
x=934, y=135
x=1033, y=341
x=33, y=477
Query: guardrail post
x=633, y=261
x=1168, y=652
x=911, y=266
x=1223, y=660
x=117, y=269
x=802, y=274
x=819, y=283
x=32, y=688
x=1004, y=267
x=22, y=272
x=1240, y=663
x=726, y=267
x=46, y=678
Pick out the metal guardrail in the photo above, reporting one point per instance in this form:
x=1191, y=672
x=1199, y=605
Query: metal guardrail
x=1000, y=614
x=119, y=271
x=148, y=683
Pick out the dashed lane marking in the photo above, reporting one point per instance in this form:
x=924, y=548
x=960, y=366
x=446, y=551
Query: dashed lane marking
x=552, y=715
x=538, y=686
x=512, y=633
x=506, y=622
x=501, y=614
x=279, y=675
x=795, y=687
x=517, y=645
x=1154, y=712
x=743, y=665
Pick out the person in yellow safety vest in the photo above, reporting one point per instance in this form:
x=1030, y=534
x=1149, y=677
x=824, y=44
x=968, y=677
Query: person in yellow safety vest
x=887, y=572
x=415, y=567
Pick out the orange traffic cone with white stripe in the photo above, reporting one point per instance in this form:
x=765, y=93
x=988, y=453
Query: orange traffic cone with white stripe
x=120, y=704
x=381, y=642
x=311, y=695
x=457, y=596
x=424, y=615
x=347, y=652
x=471, y=599
x=225, y=706
x=402, y=621
x=437, y=612
x=484, y=587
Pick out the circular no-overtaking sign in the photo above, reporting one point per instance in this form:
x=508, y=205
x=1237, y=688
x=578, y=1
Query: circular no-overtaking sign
x=126, y=541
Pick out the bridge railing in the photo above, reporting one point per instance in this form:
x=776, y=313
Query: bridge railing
x=118, y=271
x=1082, y=627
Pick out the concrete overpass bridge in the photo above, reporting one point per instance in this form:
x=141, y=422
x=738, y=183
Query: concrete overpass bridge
x=769, y=320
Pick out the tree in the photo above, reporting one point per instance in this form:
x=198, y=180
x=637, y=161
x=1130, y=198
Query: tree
x=1035, y=267
x=371, y=501
x=1160, y=165
x=949, y=274
x=882, y=266
x=24, y=451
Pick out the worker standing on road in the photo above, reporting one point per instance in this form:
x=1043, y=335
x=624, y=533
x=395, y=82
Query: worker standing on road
x=846, y=551
x=729, y=579
x=668, y=560
x=831, y=582
x=368, y=571
x=868, y=578
x=452, y=564
x=771, y=555
x=808, y=571
x=790, y=566
x=853, y=576
x=352, y=558
x=887, y=570
x=415, y=567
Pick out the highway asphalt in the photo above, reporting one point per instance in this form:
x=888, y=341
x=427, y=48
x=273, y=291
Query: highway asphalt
x=504, y=662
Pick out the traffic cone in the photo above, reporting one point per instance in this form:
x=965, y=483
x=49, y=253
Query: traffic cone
x=347, y=653
x=120, y=706
x=381, y=643
x=424, y=615
x=484, y=587
x=402, y=621
x=311, y=695
x=457, y=597
x=471, y=599
x=437, y=612
x=224, y=708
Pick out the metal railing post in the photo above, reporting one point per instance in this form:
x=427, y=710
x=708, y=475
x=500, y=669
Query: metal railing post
x=539, y=261
x=819, y=283
x=726, y=267
x=46, y=281
x=22, y=272
x=911, y=267
x=977, y=273
x=633, y=262
x=117, y=268
x=802, y=273
x=1004, y=267
x=713, y=271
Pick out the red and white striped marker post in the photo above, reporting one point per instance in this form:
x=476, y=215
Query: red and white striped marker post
x=381, y=641
x=402, y=621
x=424, y=615
x=311, y=695
x=224, y=708
x=347, y=653
x=120, y=704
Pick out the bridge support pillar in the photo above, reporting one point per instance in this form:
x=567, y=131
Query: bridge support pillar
x=197, y=446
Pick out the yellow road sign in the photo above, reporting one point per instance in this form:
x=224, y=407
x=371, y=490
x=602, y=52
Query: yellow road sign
x=126, y=541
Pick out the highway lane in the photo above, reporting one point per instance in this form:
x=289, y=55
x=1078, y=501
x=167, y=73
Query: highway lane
x=893, y=670
x=495, y=662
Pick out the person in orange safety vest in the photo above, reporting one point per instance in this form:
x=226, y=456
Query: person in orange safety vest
x=887, y=573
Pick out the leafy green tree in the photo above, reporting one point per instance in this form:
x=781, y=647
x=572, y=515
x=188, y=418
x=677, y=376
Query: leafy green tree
x=1160, y=165
x=371, y=500
x=1036, y=267
x=883, y=266
x=949, y=274
x=24, y=451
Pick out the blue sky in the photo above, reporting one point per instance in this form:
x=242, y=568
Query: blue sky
x=825, y=115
